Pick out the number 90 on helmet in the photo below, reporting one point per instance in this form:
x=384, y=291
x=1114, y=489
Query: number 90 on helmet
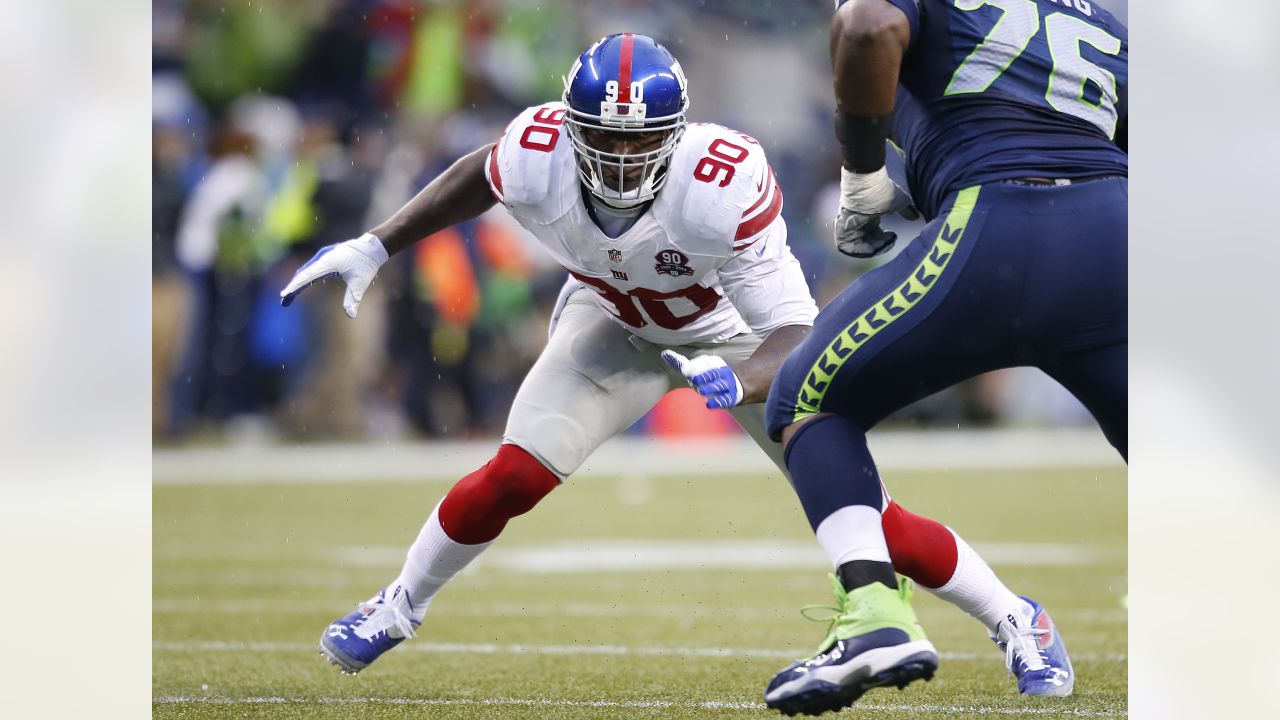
x=627, y=98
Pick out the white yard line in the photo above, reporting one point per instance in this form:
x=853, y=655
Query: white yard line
x=606, y=555
x=494, y=649
x=627, y=704
x=448, y=461
x=255, y=606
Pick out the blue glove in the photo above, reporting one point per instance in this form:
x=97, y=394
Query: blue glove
x=710, y=375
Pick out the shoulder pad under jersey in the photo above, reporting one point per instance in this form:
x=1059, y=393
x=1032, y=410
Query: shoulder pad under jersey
x=721, y=192
x=531, y=169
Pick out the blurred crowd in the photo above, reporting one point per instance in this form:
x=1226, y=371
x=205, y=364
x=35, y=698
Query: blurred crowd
x=282, y=126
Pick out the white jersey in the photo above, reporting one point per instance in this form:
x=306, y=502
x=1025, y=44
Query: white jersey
x=707, y=261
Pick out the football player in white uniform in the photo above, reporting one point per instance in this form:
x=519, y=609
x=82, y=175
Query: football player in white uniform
x=679, y=271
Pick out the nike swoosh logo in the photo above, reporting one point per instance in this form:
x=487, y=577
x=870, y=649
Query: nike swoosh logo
x=760, y=252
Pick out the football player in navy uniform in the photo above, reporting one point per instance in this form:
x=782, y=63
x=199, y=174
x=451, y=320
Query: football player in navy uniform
x=1011, y=115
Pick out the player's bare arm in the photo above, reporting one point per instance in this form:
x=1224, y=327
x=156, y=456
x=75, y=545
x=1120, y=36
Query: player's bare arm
x=756, y=373
x=868, y=40
x=725, y=386
x=456, y=195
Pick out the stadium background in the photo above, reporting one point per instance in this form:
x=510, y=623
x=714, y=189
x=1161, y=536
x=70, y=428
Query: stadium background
x=298, y=451
x=280, y=127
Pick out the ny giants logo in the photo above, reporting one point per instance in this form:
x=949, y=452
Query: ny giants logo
x=673, y=263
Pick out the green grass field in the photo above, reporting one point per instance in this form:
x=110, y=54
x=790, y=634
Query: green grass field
x=651, y=597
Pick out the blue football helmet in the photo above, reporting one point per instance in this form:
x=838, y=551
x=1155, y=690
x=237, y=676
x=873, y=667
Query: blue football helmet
x=627, y=98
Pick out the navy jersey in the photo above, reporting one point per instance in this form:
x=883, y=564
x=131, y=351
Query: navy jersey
x=1001, y=89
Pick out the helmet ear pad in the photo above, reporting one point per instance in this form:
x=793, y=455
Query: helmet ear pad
x=625, y=83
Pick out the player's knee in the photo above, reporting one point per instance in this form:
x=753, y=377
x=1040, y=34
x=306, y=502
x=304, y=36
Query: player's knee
x=519, y=480
x=777, y=422
x=480, y=504
x=791, y=429
x=922, y=549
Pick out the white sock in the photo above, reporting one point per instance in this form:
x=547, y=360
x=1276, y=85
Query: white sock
x=433, y=560
x=853, y=532
x=975, y=589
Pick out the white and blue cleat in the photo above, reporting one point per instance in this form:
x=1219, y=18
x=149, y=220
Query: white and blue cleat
x=1035, y=652
x=355, y=640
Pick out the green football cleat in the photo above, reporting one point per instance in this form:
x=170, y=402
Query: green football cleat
x=874, y=640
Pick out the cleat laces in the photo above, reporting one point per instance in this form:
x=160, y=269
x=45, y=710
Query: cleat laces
x=807, y=612
x=1025, y=646
x=382, y=617
x=845, y=608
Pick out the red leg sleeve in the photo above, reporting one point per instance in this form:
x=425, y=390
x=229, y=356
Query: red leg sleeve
x=922, y=549
x=479, y=506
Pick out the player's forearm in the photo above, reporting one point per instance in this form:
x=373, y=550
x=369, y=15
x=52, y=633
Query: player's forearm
x=756, y=372
x=456, y=195
x=868, y=39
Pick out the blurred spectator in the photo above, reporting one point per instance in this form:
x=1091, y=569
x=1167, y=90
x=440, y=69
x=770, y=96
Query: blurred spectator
x=170, y=292
x=220, y=247
x=233, y=48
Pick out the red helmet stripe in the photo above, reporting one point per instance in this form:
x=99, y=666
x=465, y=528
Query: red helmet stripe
x=624, y=68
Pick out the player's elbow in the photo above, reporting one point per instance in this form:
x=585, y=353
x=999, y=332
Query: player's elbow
x=864, y=24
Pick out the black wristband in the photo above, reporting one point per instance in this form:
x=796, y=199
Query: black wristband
x=862, y=141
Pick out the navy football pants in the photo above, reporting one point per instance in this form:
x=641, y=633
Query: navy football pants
x=1006, y=275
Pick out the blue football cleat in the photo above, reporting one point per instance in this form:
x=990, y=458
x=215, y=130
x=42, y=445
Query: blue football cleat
x=355, y=640
x=1035, y=653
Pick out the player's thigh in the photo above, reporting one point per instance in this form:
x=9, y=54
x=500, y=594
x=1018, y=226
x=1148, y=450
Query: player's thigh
x=1078, y=275
x=932, y=316
x=1099, y=378
x=589, y=384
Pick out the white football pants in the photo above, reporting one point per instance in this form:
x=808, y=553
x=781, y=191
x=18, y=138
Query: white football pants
x=595, y=379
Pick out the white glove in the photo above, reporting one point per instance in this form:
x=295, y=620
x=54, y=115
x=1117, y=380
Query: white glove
x=710, y=375
x=863, y=199
x=355, y=261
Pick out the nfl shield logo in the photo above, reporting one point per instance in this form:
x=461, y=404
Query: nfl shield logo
x=615, y=256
